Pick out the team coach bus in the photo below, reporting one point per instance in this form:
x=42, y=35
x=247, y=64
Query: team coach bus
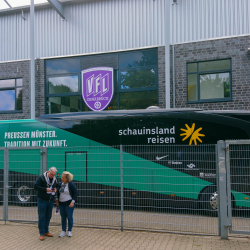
x=167, y=137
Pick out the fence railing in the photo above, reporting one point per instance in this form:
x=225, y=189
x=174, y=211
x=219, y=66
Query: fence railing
x=238, y=179
x=159, y=188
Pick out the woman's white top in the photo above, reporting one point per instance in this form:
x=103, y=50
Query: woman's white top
x=64, y=193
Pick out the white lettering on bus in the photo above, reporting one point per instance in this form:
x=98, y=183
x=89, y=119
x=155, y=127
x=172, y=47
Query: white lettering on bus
x=161, y=140
x=16, y=135
x=153, y=131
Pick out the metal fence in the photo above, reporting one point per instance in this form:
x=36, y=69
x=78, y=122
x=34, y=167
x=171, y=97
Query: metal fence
x=21, y=167
x=238, y=178
x=1, y=184
x=174, y=196
x=158, y=188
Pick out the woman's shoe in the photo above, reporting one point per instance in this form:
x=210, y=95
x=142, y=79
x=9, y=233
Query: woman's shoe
x=69, y=234
x=62, y=234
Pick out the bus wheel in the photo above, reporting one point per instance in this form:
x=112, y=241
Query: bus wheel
x=210, y=201
x=24, y=196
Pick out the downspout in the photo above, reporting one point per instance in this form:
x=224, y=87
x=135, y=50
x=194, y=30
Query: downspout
x=167, y=53
x=173, y=76
x=32, y=62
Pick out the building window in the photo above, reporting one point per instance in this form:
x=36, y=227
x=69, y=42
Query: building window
x=135, y=80
x=11, y=95
x=209, y=81
x=63, y=85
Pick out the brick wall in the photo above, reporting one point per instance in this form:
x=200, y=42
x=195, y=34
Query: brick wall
x=21, y=69
x=40, y=88
x=161, y=77
x=234, y=48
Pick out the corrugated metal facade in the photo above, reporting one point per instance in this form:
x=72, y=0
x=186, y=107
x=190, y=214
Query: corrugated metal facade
x=194, y=20
x=120, y=24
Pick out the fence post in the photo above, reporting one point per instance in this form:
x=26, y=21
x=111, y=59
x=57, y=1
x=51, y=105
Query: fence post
x=222, y=189
x=6, y=185
x=43, y=167
x=121, y=171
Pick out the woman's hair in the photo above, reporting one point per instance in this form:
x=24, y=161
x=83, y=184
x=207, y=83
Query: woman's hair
x=68, y=175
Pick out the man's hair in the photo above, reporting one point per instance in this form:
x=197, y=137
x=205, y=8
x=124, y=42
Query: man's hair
x=53, y=169
x=68, y=175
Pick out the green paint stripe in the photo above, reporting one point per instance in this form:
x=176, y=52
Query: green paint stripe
x=18, y=121
x=241, y=199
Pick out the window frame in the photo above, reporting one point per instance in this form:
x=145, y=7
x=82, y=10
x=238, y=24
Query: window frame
x=198, y=73
x=63, y=94
x=119, y=70
x=117, y=78
x=52, y=75
x=12, y=88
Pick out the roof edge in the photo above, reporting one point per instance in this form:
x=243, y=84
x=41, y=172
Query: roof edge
x=47, y=5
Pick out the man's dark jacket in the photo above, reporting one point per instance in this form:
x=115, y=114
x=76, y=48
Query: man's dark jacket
x=41, y=185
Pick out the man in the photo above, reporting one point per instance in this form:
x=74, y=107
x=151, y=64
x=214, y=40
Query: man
x=46, y=188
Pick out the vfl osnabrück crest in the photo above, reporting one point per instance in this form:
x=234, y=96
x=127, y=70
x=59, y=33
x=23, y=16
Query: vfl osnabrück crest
x=97, y=87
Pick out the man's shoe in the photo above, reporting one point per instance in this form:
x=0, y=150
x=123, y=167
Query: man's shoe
x=62, y=234
x=69, y=234
x=41, y=237
x=48, y=234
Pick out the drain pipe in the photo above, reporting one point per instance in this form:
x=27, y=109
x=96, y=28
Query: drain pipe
x=32, y=62
x=173, y=76
x=167, y=53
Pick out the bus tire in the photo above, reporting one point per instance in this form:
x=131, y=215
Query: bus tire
x=210, y=201
x=24, y=195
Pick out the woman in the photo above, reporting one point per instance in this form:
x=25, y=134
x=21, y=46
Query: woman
x=66, y=198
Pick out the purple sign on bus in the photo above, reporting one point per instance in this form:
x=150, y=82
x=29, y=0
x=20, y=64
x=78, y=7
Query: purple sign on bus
x=97, y=87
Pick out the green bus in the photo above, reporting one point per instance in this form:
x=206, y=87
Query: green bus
x=156, y=142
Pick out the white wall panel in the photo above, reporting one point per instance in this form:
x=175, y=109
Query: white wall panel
x=8, y=37
x=195, y=20
x=109, y=25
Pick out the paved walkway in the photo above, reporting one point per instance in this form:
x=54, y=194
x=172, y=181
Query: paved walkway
x=25, y=236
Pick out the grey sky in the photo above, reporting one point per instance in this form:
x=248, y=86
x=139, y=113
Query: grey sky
x=17, y=3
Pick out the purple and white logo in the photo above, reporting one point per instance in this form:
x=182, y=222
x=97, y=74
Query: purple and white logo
x=97, y=87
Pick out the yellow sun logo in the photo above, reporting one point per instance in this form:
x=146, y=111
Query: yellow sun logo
x=194, y=134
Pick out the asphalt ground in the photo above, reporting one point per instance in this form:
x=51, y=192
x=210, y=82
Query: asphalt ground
x=23, y=236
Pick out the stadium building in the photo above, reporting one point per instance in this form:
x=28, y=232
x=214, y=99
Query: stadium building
x=168, y=53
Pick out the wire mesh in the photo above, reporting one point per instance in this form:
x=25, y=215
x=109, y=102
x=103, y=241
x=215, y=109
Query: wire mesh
x=164, y=188
x=96, y=171
x=1, y=183
x=240, y=186
x=160, y=188
x=24, y=167
x=170, y=188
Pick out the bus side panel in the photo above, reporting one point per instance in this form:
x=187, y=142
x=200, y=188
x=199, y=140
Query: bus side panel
x=240, y=199
x=140, y=174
